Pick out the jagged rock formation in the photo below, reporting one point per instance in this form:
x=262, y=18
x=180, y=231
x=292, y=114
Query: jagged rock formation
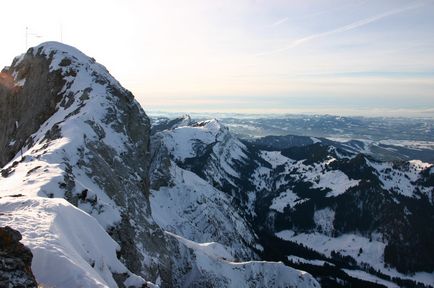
x=15, y=261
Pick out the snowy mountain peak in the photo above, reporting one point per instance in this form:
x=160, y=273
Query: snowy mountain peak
x=86, y=140
x=73, y=64
x=212, y=125
x=57, y=50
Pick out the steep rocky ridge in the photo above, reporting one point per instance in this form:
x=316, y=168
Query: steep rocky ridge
x=26, y=84
x=92, y=148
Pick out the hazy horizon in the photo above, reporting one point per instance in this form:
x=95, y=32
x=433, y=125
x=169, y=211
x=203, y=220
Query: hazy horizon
x=368, y=58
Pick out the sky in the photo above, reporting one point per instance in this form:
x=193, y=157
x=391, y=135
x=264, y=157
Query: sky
x=372, y=58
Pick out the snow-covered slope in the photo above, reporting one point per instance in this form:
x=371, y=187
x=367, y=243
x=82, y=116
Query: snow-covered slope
x=214, y=262
x=70, y=248
x=221, y=154
x=92, y=151
x=204, y=218
x=192, y=208
x=338, y=209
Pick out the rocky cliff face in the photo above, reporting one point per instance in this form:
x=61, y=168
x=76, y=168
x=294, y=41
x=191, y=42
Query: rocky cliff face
x=84, y=138
x=29, y=93
x=15, y=261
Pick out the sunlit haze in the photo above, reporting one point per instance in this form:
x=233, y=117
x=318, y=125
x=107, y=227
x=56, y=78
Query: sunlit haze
x=335, y=57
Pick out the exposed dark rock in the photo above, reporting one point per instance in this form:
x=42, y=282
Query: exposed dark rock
x=165, y=124
x=39, y=89
x=310, y=154
x=273, y=143
x=15, y=261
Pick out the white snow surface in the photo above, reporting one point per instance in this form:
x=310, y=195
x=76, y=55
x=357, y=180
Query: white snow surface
x=285, y=199
x=212, y=249
x=350, y=245
x=194, y=141
x=369, y=277
x=335, y=180
x=401, y=178
x=70, y=247
x=275, y=158
x=316, y=173
x=49, y=163
x=197, y=211
x=315, y=140
x=295, y=259
x=211, y=262
x=202, y=218
x=324, y=220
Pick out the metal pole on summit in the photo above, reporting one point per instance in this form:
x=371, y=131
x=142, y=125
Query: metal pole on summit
x=30, y=34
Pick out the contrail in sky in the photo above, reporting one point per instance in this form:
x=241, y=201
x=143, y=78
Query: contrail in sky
x=279, y=22
x=345, y=28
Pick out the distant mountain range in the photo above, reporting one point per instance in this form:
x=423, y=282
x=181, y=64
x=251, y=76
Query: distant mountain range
x=386, y=139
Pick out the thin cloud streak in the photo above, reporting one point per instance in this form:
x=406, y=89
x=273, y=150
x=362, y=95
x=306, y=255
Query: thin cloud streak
x=345, y=28
x=278, y=22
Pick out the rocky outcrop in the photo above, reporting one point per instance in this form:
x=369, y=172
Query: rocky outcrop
x=29, y=92
x=15, y=261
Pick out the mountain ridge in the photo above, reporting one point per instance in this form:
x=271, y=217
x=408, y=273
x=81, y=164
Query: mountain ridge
x=93, y=188
x=307, y=190
x=76, y=184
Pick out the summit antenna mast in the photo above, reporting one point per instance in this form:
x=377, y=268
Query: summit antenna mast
x=30, y=34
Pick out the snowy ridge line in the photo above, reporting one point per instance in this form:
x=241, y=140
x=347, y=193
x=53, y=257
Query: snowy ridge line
x=88, y=126
x=67, y=240
x=253, y=273
x=211, y=249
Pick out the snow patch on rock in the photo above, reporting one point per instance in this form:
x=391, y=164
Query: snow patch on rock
x=285, y=199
